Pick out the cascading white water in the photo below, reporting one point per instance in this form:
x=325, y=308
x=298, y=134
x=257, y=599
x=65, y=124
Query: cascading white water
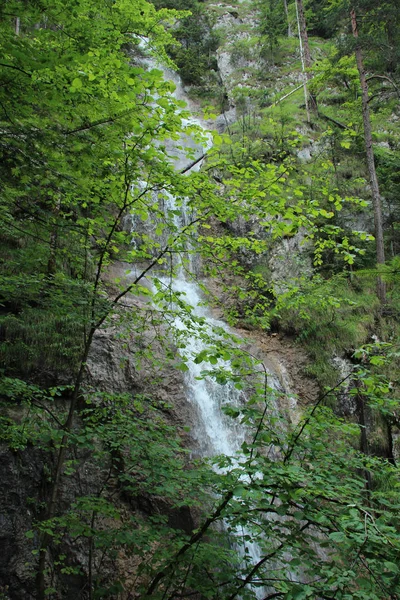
x=215, y=433
x=223, y=435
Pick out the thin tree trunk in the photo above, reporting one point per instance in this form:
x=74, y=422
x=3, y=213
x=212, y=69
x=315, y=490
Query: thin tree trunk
x=305, y=53
x=303, y=32
x=289, y=28
x=363, y=432
x=390, y=453
x=51, y=506
x=303, y=64
x=376, y=198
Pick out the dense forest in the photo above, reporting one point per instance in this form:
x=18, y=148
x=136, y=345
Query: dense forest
x=199, y=299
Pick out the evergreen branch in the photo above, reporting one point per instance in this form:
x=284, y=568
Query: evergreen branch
x=27, y=233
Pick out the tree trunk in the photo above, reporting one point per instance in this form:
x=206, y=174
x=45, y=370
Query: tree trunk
x=60, y=462
x=390, y=454
x=376, y=198
x=360, y=400
x=303, y=33
x=289, y=29
x=306, y=62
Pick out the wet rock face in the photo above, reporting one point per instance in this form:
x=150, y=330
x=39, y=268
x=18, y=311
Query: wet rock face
x=112, y=366
x=109, y=367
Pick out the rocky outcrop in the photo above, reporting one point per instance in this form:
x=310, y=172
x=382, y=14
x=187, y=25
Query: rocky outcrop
x=226, y=119
x=113, y=369
x=138, y=366
x=290, y=259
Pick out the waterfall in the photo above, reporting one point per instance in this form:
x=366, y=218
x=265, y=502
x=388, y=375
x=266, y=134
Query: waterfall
x=222, y=435
x=215, y=433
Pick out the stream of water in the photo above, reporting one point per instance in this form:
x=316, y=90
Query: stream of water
x=214, y=432
x=217, y=433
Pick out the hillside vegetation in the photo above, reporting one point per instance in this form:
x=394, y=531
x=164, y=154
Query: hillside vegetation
x=291, y=229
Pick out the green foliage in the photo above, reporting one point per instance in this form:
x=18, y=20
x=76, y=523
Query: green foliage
x=195, y=57
x=86, y=148
x=43, y=330
x=63, y=202
x=377, y=378
x=272, y=25
x=138, y=454
x=30, y=414
x=379, y=32
x=196, y=41
x=329, y=316
x=242, y=51
x=299, y=504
